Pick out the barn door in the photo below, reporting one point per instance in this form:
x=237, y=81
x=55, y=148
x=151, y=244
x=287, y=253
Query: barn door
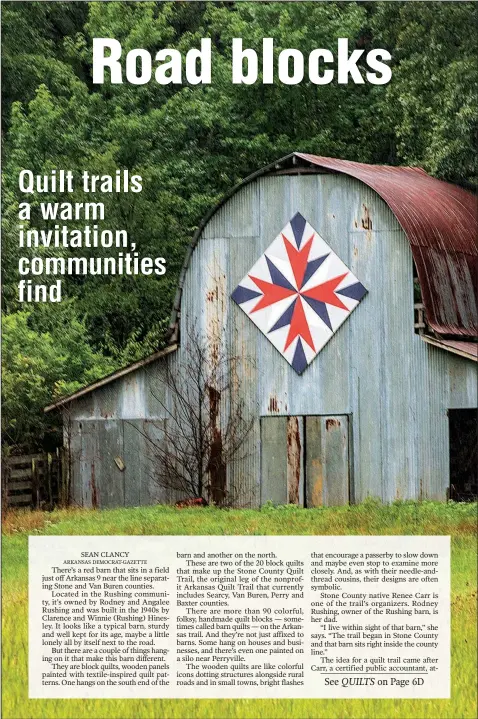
x=327, y=465
x=305, y=460
x=282, y=460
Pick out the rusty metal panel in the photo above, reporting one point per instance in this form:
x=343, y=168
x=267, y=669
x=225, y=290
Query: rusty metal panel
x=110, y=464
x=440, y=221
x=88, y=463
x=295, y=460
x=274, y=460
x=314, y=463
x=327, y=461
x=282, y=460
x=448, y=290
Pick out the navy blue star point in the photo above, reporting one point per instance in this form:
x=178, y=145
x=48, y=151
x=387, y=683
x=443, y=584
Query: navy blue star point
x=299, y=360
x=298, y=293
x=298, y=223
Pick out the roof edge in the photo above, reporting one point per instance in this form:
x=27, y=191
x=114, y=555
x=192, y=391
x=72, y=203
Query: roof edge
x=462, y=349
x=173, y=325
x=111, y=377
x=360, y=172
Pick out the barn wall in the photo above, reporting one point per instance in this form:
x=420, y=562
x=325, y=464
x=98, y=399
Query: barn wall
x=121, y=421
x=96, y=448
x=395, y=388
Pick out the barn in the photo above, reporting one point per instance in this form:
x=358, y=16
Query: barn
x=346, y=294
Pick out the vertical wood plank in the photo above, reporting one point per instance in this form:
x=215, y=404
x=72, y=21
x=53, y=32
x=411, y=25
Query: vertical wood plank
x=336, y=460
x=274, y=460
x=109, y=478
x=295, y=465
x=314, y=462
x=134, y=451
x=327, y=461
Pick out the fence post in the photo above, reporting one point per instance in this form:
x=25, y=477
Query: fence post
x=35, y=485
x=5, y=482
x=48, y=471
x=65, y=477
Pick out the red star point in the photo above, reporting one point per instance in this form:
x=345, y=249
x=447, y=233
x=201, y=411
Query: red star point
x=326, y=292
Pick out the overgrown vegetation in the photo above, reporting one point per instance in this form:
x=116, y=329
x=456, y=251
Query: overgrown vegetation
x=191, y=144
x=371, y=517
x=195, y=444
x=458, y=520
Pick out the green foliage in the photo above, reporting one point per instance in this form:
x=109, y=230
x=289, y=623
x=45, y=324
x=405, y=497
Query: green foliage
x=432, y=102
x=32, y=48
x=192, y=143
x=457, y=520
x=43, y=358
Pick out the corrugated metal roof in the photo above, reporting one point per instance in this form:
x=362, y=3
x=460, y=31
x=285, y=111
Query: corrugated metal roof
x=439, y=219
x=464, y=349
x=111, y=377
x=441, y=223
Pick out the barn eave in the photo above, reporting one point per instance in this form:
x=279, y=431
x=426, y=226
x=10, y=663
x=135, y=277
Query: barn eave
x=469, y=350
x=64, y=401
x=439, y=219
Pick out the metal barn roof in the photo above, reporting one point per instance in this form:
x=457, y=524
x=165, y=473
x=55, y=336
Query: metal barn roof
x=441, y=223
x=111, y=377
x=439, y=219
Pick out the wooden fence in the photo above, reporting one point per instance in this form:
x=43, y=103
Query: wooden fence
x=33, y=480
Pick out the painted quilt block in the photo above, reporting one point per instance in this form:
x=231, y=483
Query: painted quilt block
x=299, y=292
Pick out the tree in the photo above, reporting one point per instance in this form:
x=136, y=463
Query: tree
x=37, y=366
x=206, y=423
x=431, y=104
x=193, y=143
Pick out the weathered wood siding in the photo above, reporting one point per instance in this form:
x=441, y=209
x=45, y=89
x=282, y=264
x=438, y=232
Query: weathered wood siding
x=394, y=388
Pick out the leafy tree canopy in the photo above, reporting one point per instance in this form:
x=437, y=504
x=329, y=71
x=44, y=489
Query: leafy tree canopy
x=191, y=143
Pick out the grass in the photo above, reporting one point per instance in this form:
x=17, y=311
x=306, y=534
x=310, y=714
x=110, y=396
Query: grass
x=457, y=520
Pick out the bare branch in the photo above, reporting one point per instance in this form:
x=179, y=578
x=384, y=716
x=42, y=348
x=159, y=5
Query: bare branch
x=206, y=424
